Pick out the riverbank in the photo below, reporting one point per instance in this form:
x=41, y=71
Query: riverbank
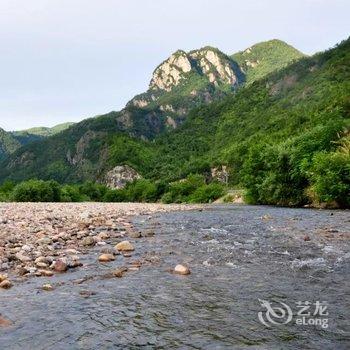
x=43, y=239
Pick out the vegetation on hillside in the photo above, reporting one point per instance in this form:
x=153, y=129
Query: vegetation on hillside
x=38, y=133
x=263, y=58
x=8, y=144
x=285, y=139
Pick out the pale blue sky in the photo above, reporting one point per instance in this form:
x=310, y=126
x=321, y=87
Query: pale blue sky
x=66, y=60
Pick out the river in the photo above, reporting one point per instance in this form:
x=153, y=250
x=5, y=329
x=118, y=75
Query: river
x=239, y=256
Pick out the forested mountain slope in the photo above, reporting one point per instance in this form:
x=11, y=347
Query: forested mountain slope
x=285, y=138
x=88, y=149
x=8, y=144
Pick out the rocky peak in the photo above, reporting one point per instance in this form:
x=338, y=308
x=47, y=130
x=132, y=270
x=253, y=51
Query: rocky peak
x=218, y=67
x=170, y=72
x=209, y=62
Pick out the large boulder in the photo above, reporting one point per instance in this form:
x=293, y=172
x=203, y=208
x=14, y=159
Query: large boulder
x=119, y=176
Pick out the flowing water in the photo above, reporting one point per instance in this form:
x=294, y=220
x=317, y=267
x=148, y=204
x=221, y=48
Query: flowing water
x=237, y=255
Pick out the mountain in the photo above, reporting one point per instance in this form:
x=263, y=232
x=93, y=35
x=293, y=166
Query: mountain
x=8, y=144
x=38, y=133
x=88, y=149
x=189, y=79
x=263, y=58
x=285, y=138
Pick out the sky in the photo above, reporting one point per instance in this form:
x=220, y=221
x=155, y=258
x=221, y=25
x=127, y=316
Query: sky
x=66, y=60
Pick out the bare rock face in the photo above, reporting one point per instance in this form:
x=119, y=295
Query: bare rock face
x=170, y=72
x=216, y=66
x=208, y=62
x=81, y=146
x=119, y=176
x=220, y=174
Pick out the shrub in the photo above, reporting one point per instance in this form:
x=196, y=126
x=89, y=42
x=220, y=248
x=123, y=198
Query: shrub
x=36, y=191
x=141, y=191
x=114, y=196
x=330, y=178
x=207, y=193
x=93, y=191
x=70, y=193
x=180, y=191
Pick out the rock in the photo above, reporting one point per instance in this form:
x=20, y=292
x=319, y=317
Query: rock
x=148, y=234
x=136, y=263
x=47, y=287
x=4, y=322
x=44, y=241
x=74, y=263
x=119, y=176
x=46, y=273
x=182, y=270
x=103, y=235
x=42, y=265
x=120, y=272
x=134, y=234
x=125, y=246
x=22, y=271
x=307, y=238
x=41, y=259
x=60, y=266
x=108, y=250
x=72, y=252
x=106, y=257
x=5, y=284
x=26, y=248
x=23, y=258
x=88, y=241
x=3, y=277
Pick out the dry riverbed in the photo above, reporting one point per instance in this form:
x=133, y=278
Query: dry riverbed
x=44, y=239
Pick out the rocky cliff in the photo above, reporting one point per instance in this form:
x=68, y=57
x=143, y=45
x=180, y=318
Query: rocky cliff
x=188, y=79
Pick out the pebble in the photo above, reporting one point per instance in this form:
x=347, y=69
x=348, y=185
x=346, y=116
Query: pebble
x=182, y=270
x=6, y=284
x=47, y=287
x=125, y=246
x=134, y=234
x=106, y=257
x=60, y=266
x=120, y=272
x=40, y=239
x=46, y=273
x=4, y=322
x=88, y=241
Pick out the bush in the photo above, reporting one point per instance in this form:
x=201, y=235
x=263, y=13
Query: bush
x=141, y=191
x=207, y=193
x=114, y=196
x=70, y=193
x=93, y=191
x=180, y=191
x=37, y=191
x=330, y=178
